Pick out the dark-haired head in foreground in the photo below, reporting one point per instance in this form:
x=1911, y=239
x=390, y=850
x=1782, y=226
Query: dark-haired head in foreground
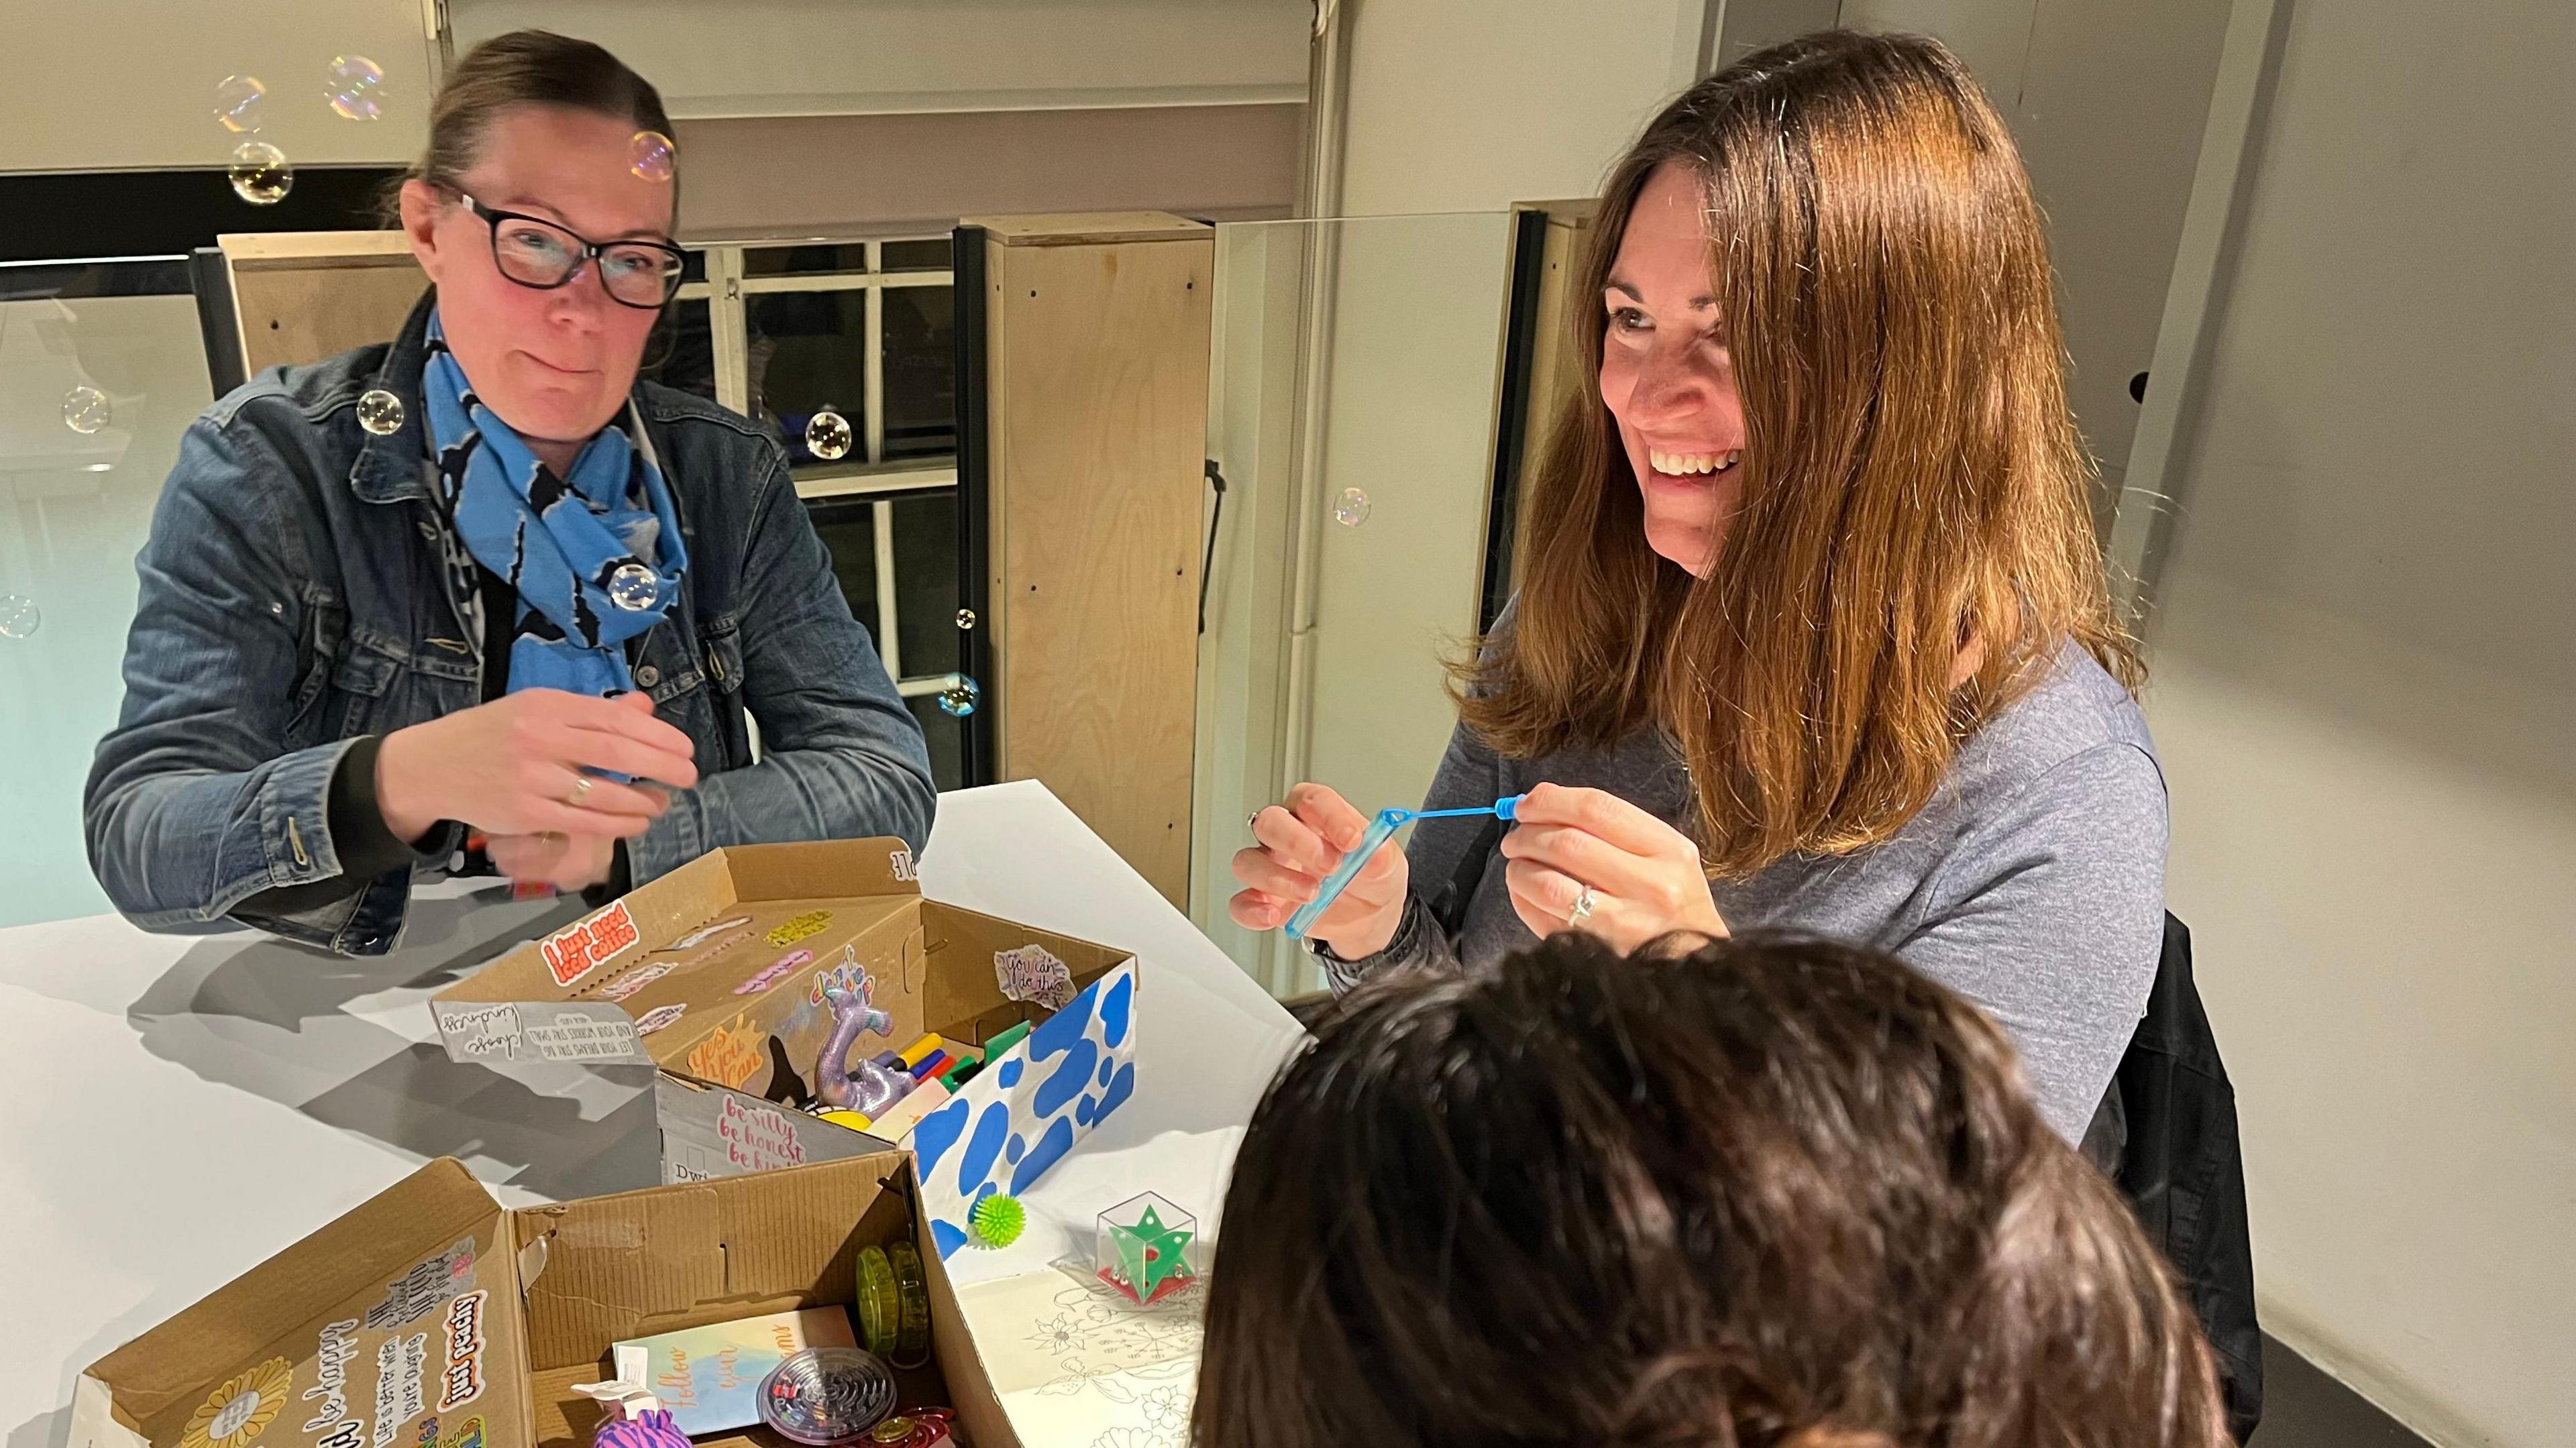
x=1770, y=1192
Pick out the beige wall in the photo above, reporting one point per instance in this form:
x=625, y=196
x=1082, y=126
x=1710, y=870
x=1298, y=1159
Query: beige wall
x=129, y=86
x=2365, y=692
x=1471, y=105
x=2107, y=103
x=831, y=57
x=919, y=173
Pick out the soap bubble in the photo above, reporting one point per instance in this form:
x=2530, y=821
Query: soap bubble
x=19, y=617
x=633, y=587
x=828, y=436
x=650, y=155
x=380, y=412
x=1352, y=508
x=85, y=409
x=260, y=174
x=960, y=697
x=237, y=102
x=355, y=87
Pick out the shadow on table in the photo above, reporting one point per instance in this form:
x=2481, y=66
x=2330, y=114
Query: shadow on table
x=275, y=1019
x=45, y=1430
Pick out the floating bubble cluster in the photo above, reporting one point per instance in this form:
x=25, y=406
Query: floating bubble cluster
x=355, y=87
x=1352, y=508
x=260, y=173
x=651, y=155
x=85, y=409
x=238, y=102
x=19, y=617
x=960, y=698
x=828, y=436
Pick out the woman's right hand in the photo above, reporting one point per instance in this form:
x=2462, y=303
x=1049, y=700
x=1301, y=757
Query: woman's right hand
x=515, y=766
x=1302, y=841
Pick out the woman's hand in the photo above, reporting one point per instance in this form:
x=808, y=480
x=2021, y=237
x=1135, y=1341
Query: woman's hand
x=1302, y=841
x=516, y=766
x=1645, y=876
x=565, y=863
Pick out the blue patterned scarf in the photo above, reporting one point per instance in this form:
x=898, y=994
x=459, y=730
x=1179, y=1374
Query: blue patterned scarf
x=596, y=556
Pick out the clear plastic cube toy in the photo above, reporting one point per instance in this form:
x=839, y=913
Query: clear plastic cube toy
x=1148, y=1248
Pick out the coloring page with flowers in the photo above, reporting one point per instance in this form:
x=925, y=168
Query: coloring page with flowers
x=1075, y=1362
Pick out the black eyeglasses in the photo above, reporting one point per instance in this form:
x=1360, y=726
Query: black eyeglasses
x=535, y=252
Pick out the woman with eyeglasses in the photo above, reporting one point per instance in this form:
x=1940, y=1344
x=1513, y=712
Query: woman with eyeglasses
x=481, y=580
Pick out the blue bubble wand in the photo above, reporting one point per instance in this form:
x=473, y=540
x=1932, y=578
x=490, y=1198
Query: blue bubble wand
x=1380, y=830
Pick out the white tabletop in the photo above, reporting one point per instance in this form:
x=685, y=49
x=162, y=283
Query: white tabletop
x=175, y=1109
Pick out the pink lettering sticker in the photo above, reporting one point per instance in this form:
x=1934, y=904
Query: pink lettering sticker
x=776, y=972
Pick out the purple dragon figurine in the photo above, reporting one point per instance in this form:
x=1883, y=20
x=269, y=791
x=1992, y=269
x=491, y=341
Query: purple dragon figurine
x=865, y=1087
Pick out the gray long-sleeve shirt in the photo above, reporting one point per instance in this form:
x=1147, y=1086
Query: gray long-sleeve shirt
x=2032, y=884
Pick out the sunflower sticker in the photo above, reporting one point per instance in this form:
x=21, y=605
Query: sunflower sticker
x=240, y=1408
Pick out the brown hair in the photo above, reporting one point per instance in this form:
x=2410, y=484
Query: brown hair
x=526, y=68
x=1772, y=1192
x=1914, y=489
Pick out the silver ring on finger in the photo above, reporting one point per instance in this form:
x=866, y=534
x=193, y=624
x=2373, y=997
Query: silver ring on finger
x=1252, y=821
x=580, y=791
x=1583, y=903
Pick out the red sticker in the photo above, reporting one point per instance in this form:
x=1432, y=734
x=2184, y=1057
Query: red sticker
x=583, y=946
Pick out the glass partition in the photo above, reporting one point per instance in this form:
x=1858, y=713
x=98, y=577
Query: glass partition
x=101, y=369
x=1356, y=382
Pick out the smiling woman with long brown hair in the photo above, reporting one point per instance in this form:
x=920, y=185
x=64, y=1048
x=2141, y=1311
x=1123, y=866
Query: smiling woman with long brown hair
x=1814, y=629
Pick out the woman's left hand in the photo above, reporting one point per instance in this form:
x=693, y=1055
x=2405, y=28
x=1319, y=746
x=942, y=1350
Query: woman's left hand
x=1645, y=876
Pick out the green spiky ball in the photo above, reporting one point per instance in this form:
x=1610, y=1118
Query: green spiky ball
x=998, y=1220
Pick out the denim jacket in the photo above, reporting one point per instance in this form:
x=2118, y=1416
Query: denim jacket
x=294, y=599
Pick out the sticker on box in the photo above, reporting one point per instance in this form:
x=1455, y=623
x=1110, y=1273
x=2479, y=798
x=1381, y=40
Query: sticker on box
x=705, y=933
x=480, y=1030
x=1020, y=1114
x=634, y=978
x=659, y=1017
x=1031, y=974
x=416, y=1293
x=464, y=1379
x=775, y=972
x=729, y=1056
x=809, y=923
x=333, y=1347
x=400, y=1362
x=583, y=1038
x=586, y=945
x=240, y=1410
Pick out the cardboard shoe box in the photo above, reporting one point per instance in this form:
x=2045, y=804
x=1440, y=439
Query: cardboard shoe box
x=431, y=1317
x=717, y=974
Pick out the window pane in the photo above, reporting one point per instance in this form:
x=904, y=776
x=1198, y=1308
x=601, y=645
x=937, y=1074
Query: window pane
x=920, y=372
x=695, y=268
x=808, y=353
x=925, y=581
x=681, y=353
x=927, y=255
x=847, y=527
x=947, y=740
x=808, y=260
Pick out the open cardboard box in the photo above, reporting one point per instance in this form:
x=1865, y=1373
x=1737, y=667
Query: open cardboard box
x=486, y=1317
x=716, y=973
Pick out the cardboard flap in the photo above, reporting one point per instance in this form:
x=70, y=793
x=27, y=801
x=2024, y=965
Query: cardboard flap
x=283, y=1297
x=656, y=1261
x=880, y=866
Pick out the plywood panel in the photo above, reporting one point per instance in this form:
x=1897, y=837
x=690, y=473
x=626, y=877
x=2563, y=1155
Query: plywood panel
x=304, y=296
x=1099, y=368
